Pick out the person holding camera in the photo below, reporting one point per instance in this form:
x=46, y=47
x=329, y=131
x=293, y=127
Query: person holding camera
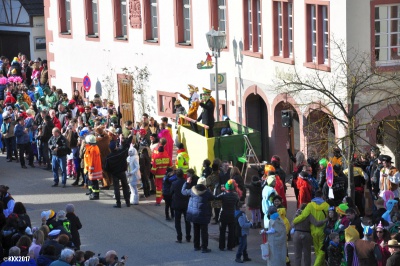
x=58, y=146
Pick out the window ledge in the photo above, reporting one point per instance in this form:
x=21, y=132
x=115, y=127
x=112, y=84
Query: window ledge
x=317, y=67
x=253, y=54
x=151, y=41
x=280, y=59
x=92, y=36
x=386, y=68
x=121, y=38
x=65, y=33
x=184, y=44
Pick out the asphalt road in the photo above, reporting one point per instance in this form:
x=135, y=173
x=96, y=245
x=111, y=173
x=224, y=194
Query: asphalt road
x=139, y=232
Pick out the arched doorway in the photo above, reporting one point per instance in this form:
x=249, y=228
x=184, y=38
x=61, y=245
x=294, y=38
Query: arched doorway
x=320, y=134
x=257, y=118
x=283, y=134
x=388, y=136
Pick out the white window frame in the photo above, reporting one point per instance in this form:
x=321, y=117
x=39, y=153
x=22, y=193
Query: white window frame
x=388, y=33
x=124, y=26
x=68, y=15
x=259, y=26
x=222, y=15
x=154, y=19
x=95, y=18
x=186, y=21
x=290, y=28
x=313, y=18
x=325, y=38
x=280, y=28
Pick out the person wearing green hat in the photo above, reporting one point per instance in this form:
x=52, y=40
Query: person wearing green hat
x=51, y=98
x=21, y=104
x=230, y=201
x=322, y=173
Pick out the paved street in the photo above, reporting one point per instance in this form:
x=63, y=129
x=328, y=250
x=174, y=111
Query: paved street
x=140, y=232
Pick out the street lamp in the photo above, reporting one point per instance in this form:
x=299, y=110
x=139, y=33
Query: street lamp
x=216, y=41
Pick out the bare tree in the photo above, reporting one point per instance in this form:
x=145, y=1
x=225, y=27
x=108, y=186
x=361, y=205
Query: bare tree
x=109, y=83
x=353, y=91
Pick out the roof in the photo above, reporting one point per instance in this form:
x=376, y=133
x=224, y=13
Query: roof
x=33, y=7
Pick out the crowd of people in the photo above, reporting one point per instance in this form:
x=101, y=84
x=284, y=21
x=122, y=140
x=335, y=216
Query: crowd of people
x=87, y=142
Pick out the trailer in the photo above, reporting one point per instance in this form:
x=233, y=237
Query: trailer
x=233, y=148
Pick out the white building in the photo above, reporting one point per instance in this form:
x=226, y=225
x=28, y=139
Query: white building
x=22, y=28
x=263, y=37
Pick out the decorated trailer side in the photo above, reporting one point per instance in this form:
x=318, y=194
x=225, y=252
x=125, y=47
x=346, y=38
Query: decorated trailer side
x=232, y=148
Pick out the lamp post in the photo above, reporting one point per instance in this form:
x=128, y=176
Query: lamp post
x=216, y=41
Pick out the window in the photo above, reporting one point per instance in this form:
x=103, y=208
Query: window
x=317, y=29
x=64, y=10
x=218, y=15
x=92, y=26
x=183, y=25
x=252, y=27
x=166, y=102
x=120, y=20
x=387, y=35
x=151, y=21
x=283, y=31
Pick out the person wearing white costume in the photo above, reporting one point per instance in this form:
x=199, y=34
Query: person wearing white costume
x=133, y=174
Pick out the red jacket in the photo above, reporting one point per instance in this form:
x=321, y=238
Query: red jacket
x=159, y=162
x=56, y=122
x=280, y=188
x=304, y=191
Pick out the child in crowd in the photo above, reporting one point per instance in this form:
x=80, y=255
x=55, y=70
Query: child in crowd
x=169, y=177
x=254, y=200
x=335, y=255
x=243, y=225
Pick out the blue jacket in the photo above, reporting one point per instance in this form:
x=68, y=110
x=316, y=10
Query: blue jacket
x=167, y=182
x=244, y=223
x=21, y=136
x=199, y=207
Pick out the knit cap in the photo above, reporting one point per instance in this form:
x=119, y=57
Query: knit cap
x=202, y=181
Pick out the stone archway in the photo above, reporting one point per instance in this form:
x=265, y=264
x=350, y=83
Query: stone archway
x=256, y=115
x=319, y=132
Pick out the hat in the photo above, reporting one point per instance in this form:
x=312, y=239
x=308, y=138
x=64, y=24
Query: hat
x=393, y=243
x=379, y=225
x=206, y=91
x=269, y=168
x=341, y=209
x=61, y=215
x=110, y=102
x=90, y=139
x=97, y=96
x=177, y=102
x=201, y=181
x=112, y=145
x=351, y=234
x=70, y=207
x=54, y=233
x=28, y=231
x=323, y=162
x=47, y=214
x=229, y=185
x=379, y=203
x=270, y=179
x=192, y=88
x=368, y=230
x=84, y=132
x=72, y=101
x=272, y=210
x=30, y=112
x=111, y=130
x=385, y=158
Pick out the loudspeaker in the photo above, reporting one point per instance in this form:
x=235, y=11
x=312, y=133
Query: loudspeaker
x=286, y=118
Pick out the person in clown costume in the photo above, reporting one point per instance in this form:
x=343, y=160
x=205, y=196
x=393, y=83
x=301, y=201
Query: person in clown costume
x=268, y=194
x=193, y=95
x=318, y=208
x=207, y=115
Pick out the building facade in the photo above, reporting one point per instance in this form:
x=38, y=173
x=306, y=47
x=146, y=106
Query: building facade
x=22, y=28
x=101, y=38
